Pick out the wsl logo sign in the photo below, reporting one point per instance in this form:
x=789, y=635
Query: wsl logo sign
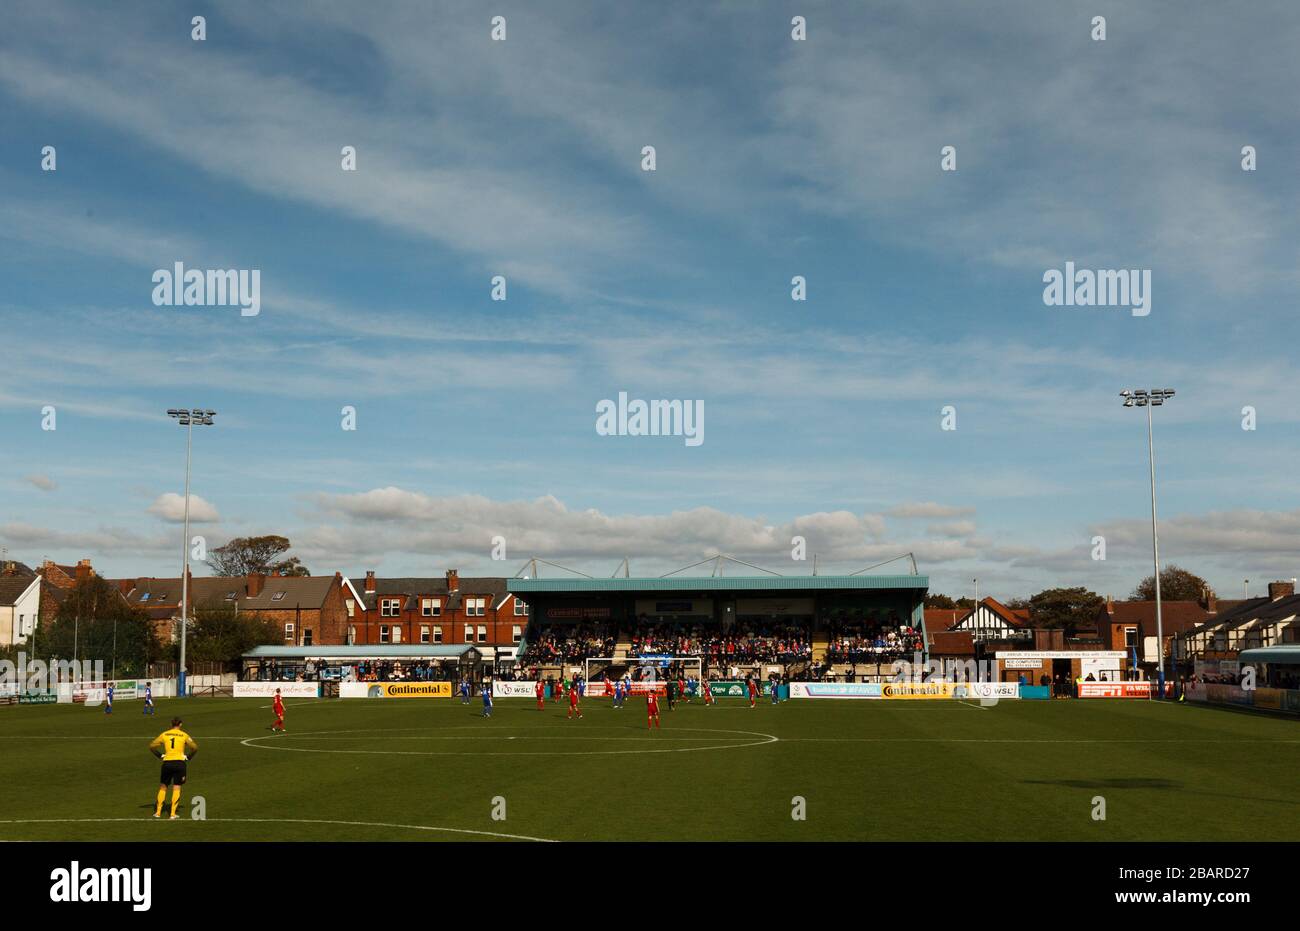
x=103, y=884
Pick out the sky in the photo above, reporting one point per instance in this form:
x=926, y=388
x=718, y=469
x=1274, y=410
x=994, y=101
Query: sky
x=824, y=418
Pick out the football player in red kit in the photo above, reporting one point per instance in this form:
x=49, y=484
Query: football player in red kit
x=708, y=693
x=753, y=689
x=278, y=707
x=574, y=695
x=541, y=695
x=651, y=708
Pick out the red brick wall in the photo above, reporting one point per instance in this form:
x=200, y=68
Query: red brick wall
x=500, y=627
x=328, y=624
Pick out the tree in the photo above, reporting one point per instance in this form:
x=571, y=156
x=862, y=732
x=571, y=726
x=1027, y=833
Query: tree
x=220, y=634
x=1176, y=584
x=936, y=600
x=1066, y=608
x=244, y=555
x=96, y=623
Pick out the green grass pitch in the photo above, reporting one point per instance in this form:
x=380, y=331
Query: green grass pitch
x=430, y=769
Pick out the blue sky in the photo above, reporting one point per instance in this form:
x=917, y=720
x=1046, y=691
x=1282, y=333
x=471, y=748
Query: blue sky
x=775, y=158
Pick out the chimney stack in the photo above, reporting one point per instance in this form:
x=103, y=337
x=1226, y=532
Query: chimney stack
x=370, y=581
x=453, y=580
x=83, y=570
x=1279, y=590
x=256, y=581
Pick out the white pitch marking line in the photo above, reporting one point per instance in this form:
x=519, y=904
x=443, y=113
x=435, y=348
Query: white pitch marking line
x=767, y=739
x=95, y=737
x=367, y=824
x=1050, y=740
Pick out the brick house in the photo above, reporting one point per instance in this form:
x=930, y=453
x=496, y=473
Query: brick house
x=57, y=581
x=307, y=610
x=1126, y=625
x=450, y=610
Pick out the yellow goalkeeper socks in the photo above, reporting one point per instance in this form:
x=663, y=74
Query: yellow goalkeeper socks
x=176, y=799
x=162, y=797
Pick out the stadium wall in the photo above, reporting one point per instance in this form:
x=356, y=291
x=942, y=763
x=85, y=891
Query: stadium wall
x=1264, y=699
x=905, y=691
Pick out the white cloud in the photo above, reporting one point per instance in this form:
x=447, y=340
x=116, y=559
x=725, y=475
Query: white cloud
x=955, y=528
x=461, y=527
x=928, y=510
x=171, y=507
x=41, y=481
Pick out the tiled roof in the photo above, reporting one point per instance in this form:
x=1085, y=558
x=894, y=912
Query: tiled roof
x=941, y=619
x=11, y=589
x=296, y=591
x=1018, y=617
x=1176, y=616
x=1261, y=609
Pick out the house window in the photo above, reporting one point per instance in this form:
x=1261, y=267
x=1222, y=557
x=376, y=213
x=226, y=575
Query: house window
x=431, y=607
x=475, y=607
x=482, y=634
x=306, y=636
x=278, y=596
x=288, y=631
x=388, y=607
x=383, y=633
x=352, y=607
x=1130, y=636
x=469, y=633
x=397, y=634
x=424, y=633
x=145, y=596
x=352, y=634
x=521, y=609
x=516, y=634
x=437, y=635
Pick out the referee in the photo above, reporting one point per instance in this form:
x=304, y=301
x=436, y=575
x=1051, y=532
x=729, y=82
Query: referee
x=174, y=747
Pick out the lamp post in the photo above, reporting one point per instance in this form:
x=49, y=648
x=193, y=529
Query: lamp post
x=1155, y=397
x=187, y=419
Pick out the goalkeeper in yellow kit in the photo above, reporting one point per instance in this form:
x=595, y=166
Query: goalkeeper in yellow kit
x=174, y=747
